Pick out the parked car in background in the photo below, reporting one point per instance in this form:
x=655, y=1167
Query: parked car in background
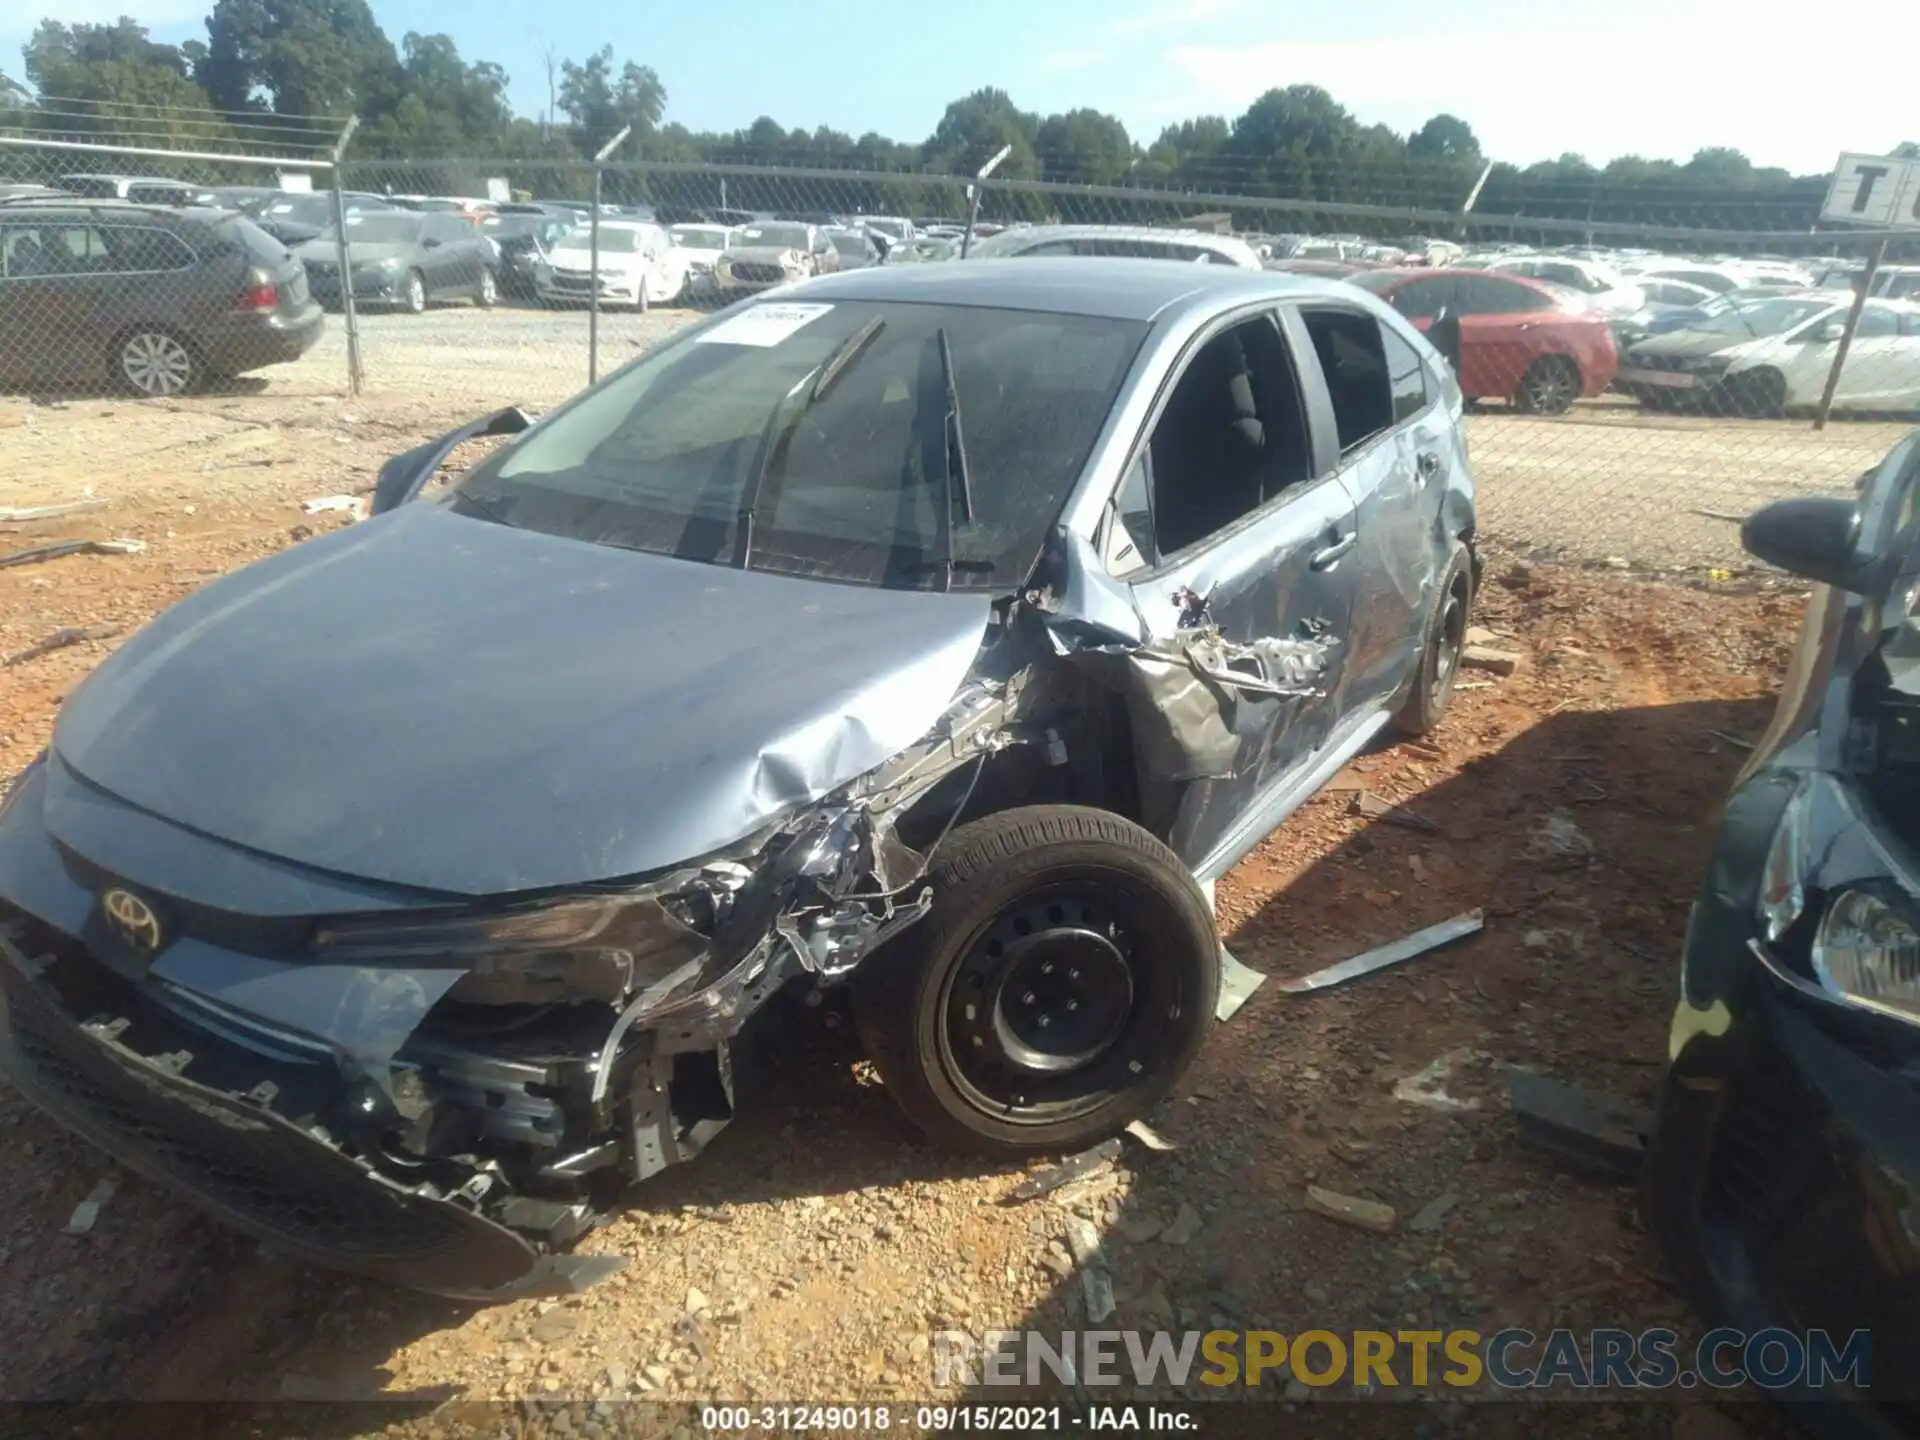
x=727, y=683
x=897, y=228
x=1664, y=297
x=403, y=259
x=1519, y=339
x=1892, y=282
x=1668, y=293
x=1690, y=317
x=1116, y=241
x=294, y=219
x=771, y=253
x=701, y=246
x=144, y=189
x=1785, y=1150
x=243, y=198
x=639, y=266
x=523, y=237
x=1606, y=289
x=855, y=248
x=150, y=299
x=1776, y=354
x=28, y=190
x=1325, y=269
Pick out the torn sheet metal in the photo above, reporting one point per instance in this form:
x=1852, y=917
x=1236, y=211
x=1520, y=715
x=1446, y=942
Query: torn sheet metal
x=1426, y=1087
x=1395, y=952
x=1237, y=984
x=1599, y=1136
x=1184, y=696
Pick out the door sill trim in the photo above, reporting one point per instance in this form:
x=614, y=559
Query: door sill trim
x=1289, y=792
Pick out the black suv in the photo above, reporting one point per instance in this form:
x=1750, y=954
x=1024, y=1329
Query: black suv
x=154, y=299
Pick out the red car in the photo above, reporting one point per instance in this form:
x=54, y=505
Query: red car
x=1518, y=338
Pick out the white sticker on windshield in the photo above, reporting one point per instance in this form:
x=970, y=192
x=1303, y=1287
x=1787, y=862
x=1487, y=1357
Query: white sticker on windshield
x=763, y=324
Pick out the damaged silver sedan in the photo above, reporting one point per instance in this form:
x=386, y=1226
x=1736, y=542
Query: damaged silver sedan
x=935, y=634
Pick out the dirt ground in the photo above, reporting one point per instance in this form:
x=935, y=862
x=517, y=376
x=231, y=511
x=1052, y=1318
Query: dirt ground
x=810, y=1252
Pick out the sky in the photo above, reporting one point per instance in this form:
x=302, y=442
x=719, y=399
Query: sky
x=1534, y=78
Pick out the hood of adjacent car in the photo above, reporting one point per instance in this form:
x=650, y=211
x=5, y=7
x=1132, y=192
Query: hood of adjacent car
x=1691, y=344
x=580, y=257
x=761, y=254
x=436, y=701
x=359, y=252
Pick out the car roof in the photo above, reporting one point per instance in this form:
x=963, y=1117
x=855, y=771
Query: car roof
x=121, y=209
x=1126, y=232
x=1117, y=289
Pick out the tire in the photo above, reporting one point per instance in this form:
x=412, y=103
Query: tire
x=414, y=298
x=1550, y=386
x=948, y=1012
x=486, y=290
x=155, y=362
x=1758, y=394
x=1445, y=638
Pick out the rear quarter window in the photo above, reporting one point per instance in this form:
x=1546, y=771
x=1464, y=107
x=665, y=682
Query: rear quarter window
x=261, y=248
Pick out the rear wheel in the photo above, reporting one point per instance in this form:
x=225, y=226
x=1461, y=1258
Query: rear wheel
x=1062, y=982
x=1550, y=386
x=155, y=362
x=1446, y=637
x=414, y=296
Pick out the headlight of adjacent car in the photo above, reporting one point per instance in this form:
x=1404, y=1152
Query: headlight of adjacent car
x=1869, y=951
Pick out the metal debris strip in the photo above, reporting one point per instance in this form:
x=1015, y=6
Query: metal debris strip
x=1044, y=1182
x=1237, y=984
x=1426, y=1087
x=59, y=640
x=55, y=549
x=9, y=513
x=1096, y=1278
x=87, y=1213
x=1599, y=1136
x=354, y=505
x=1394, y=952
x=1366, y=803
x=1150, y=1137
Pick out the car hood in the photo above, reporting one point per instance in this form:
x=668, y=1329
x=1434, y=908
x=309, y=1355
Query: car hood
x=440, y=702
x=761, y=254
x=580, y=257
x=359, y=252
x=1686, y=343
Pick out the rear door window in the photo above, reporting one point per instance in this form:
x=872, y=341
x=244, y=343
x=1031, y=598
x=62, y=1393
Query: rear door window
x=143, y=249
x=1406, y=374
x=1353, y=358
x=54, y=249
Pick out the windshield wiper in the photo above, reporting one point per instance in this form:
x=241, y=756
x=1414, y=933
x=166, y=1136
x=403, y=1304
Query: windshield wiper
x=777, y=438
x=955, y=483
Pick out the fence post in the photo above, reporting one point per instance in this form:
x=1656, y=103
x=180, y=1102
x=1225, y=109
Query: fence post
x=593, y=254
x=356, y=371
x=978, y=188
x=1846, y=335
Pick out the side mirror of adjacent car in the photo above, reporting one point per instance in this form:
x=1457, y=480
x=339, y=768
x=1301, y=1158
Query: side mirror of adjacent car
x=1829, y=333
x=431, y=242
x=403, y=477
x=1814, y=538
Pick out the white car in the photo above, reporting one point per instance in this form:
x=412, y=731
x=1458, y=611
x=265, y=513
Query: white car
x=1031, y=241
x=1606, y=289
x=1775, y=354
x=701, y=246
x=639, y=265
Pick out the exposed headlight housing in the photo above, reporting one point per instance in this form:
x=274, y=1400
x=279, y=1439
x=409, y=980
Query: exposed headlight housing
x=1869, y=951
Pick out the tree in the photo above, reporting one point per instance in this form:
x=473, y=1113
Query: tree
x=296, y=57
x=1444, y=137
x=434, y=103
x=90, y=76
x=599, y=101
x=1084, y=147
x=972, y=130
x=1907, y=150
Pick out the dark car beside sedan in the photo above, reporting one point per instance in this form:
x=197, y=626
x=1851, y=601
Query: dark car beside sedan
x=403, y=259
x=152, y=299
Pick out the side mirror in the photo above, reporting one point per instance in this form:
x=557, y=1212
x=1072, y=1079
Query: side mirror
x=1816, y=539
x=402, y=477
x=1831, y=332
x=431, y=242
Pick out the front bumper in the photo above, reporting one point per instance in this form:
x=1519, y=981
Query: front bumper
x=1784, y=1171
x=561, y=287
x=370, y=287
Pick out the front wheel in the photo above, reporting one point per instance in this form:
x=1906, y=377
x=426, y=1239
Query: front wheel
x=1758, y=394
x=1550, y=386
x=1063, y=981
x=414, y=296
x=487, y=290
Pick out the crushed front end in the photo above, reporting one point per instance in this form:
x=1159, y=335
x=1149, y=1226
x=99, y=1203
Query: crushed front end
x=1784, y=1173
x=444, y=1097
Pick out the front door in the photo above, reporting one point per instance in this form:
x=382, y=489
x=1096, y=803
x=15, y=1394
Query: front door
x=1231, y=526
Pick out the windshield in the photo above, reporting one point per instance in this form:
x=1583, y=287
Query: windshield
x=301, y=209
x=396, y=229
x=700, y=237
x=658, y=456
x=1764, y=317
x=780, y=237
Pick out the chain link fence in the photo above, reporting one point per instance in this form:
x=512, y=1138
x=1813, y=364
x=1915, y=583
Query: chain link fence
x=1642, y=368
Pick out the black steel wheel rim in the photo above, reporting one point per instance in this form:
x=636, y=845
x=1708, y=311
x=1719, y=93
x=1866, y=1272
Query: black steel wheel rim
x=1058, y=1003
x=1452, y=638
